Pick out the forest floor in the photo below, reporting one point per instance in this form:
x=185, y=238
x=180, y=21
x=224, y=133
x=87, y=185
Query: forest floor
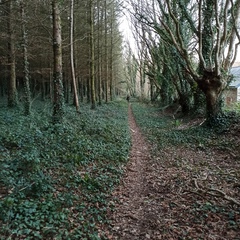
x=137, y=171
x=177, y=192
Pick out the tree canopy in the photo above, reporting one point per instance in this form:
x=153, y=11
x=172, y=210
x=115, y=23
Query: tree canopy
x=188, y=45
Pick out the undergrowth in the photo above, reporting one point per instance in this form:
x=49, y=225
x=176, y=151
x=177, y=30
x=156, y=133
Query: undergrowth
x=164, y=130
x=55, y=180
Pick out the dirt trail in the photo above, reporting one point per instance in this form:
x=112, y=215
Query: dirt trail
x=158, y=197
x=129, y=214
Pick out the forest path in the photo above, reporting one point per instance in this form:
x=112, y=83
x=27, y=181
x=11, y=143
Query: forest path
x=163, y=193
x=129, y=220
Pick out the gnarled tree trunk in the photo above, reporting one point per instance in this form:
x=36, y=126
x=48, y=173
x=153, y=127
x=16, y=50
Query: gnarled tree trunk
x=212, y=86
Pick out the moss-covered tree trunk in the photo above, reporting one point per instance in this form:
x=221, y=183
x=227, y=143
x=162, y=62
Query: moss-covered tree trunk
x=212, y=86
x=198, y=101
x=27, y=93
x=58, y=98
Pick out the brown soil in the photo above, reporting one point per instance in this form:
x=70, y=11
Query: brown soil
x=129, y=217
x=169, y=196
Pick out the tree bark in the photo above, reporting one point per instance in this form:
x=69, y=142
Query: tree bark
x=106, y=86
x=212, y=86
x=99, y=71
x=92, y=61
x=12, y=90
x=58, y=99
x=72, y=56
x=111, y=55
x=27, y=93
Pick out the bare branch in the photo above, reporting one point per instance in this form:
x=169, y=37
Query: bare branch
x=210, y=191
x=202, y=61
x=235, y=14
x=218, y=40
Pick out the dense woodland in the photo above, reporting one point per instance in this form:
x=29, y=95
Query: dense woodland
x=60, y=49
x=73, y=50
x=66, y=135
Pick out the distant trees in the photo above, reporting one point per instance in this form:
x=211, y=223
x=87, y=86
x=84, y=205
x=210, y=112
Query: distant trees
x=131, y=69
x=196, y=44
x=90, y=51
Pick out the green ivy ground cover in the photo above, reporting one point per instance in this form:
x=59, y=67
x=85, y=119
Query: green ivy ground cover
x=55, y=180
x=164, y=129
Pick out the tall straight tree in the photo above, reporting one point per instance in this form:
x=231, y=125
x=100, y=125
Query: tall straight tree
x=27, y=94
x=12, y=90
x=58, y=98
x=92, y=53
x=111, y=52
x=40, y=51
x=72, y=55
x=99, y=52
x=106, y=51
x=115, y=48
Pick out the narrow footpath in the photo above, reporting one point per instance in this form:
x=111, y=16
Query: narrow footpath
x=129, y=215
x=164, y=193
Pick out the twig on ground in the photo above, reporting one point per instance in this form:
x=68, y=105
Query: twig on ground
x=210, y=190
x=26, y=187
x=195, y=183
x=224, y=195
x=202, y=122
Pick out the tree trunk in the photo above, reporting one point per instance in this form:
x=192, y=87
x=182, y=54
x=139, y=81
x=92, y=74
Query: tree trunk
x=58, y=99
x=12, y=90
x=27, y=94
x=199, y=101
x=106, y=52
x=111, y=55
x=184, y=102
x=99, y=47
x=212, y=86
x=72, y=57
x=92, y=61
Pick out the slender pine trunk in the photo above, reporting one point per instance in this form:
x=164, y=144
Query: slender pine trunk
x=12, y=89
x=58, y=98
x=92, y=61
x=27, y=93
x=72, y=56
